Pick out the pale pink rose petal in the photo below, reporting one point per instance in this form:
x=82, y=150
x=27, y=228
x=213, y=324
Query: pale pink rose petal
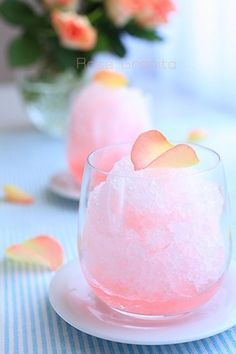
x=15, y=194
x=197, y=135
x=110, y=78
x=152, y=150
x=43, y=250
x=148, y=147
x=177, y=157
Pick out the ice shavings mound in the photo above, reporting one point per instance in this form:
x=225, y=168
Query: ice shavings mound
x=101, y=116
x=152, y=239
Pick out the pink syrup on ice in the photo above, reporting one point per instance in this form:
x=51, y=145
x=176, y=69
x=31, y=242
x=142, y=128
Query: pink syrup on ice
x=153, y=244
x=156, y=308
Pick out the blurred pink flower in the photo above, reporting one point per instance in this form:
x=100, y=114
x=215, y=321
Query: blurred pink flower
x=148, y=13
x=74, y=31
x=156, y=13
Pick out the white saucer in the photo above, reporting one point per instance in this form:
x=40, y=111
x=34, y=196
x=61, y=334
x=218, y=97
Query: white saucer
x=64, y=185
x=74, y=302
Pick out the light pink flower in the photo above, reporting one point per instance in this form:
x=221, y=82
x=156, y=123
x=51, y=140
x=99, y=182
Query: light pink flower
x=149, y=13
x=74, y=31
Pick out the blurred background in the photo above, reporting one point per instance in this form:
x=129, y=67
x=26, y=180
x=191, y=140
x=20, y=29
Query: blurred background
x=199, y=38
x=189, y=77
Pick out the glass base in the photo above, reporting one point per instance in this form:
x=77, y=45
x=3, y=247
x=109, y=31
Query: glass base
x=162, y=318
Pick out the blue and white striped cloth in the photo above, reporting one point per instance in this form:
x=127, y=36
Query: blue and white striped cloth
x=28, y=324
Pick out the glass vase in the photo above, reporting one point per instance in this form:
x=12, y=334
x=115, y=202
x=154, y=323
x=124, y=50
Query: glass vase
x=47, y=100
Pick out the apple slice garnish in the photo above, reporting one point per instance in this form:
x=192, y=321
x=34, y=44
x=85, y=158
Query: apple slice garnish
x=14, y=194
x=148, y=146
x=110, y=78
x=43, y=250
x=153, y=150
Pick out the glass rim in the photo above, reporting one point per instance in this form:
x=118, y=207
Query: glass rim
x=204, y=170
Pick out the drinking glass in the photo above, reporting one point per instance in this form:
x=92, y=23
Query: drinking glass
x=153, y=243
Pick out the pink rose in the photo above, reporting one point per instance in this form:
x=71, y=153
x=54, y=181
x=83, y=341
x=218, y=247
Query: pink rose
x=148, y=13
x=156, y=13
x=74, y=31
x=62, y=4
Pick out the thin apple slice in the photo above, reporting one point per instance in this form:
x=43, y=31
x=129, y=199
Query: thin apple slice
x=148, y=147
x=179, y=156
x=110, y=78
x=14, y=194
x=43, y=250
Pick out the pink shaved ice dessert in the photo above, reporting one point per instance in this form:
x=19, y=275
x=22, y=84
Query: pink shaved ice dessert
x=152, y=241
x=103, y=114
x=152, y=244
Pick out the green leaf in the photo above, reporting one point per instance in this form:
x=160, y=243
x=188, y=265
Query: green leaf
x=118, y=47
x=73, y=59
x=110, y=42
x=24, y=51
x=144, y=33
x=18, y=13
x=66, y=58
x=96, y=16
x=103, y=43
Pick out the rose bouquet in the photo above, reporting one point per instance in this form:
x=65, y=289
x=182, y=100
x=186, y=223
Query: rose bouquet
x=57, y=32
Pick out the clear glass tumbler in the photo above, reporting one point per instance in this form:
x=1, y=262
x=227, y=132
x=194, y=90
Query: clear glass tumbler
x=153, y=242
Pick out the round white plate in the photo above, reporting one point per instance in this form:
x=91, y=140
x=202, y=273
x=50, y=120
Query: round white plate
x=74, y=302
x=64, y=185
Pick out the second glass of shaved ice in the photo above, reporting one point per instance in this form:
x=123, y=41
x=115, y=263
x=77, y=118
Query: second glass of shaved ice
x=103, y=114
x=153, y=241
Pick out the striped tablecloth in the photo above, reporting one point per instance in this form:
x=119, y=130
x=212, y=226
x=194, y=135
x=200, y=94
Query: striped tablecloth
x=28, y=324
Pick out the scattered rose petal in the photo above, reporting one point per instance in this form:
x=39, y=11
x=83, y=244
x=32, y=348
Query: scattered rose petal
x=197, y=135
x=179, y=156
x=110, y=78
x=148, y=146
x=14, y=194
x=43, y=250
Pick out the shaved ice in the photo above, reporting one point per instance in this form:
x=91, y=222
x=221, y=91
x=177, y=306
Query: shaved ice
x=102, y=115
x=152, y=241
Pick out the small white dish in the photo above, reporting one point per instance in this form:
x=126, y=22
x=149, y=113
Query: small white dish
x=72, y=299
x=64, y=185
